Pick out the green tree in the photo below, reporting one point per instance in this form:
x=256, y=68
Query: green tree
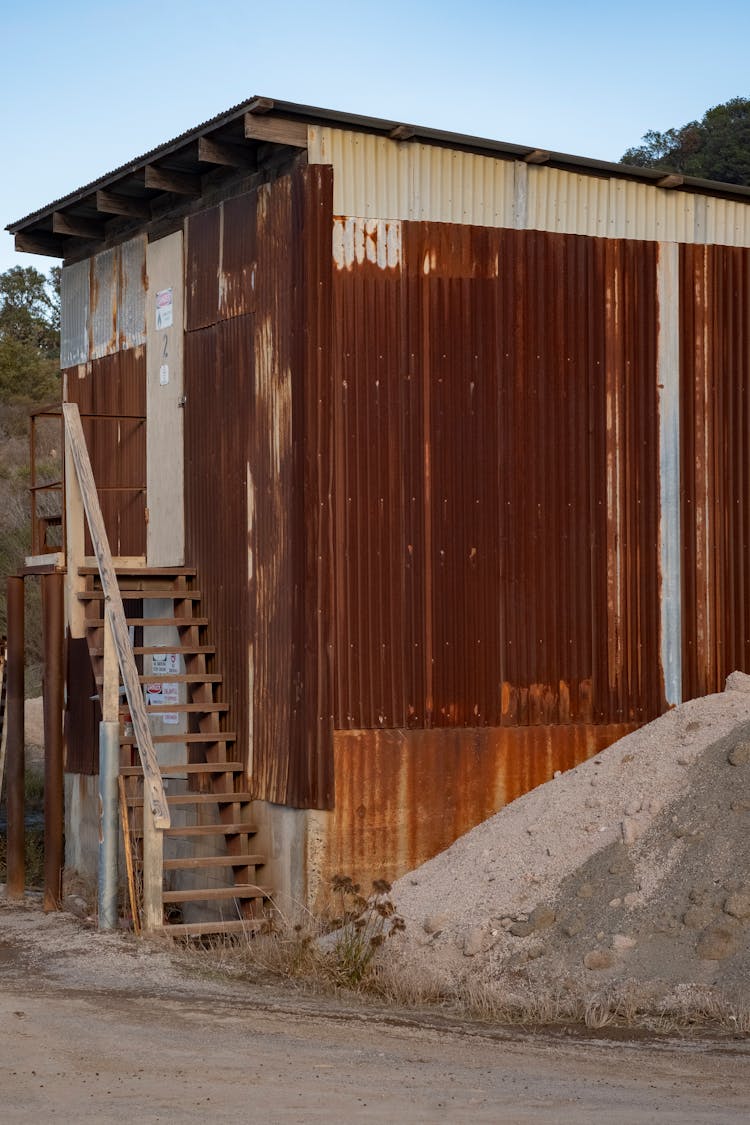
x=29, y=377
x=29, y=335
x=715, y=148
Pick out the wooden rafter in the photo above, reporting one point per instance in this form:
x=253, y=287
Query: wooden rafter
x=180, y=183
x=74, y=227
x=112, y=204
x=211, y=151
x=276, y=130
x=37, y=242
x=538, y=156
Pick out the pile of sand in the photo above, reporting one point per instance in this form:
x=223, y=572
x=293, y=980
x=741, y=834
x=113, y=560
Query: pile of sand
x=635, y=866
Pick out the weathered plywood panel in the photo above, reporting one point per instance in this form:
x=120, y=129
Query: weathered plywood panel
x=164, y=382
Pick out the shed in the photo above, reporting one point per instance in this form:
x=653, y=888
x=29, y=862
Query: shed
x=423, y=465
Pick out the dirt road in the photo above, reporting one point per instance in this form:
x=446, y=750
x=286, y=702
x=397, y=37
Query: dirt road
x=101, y=1028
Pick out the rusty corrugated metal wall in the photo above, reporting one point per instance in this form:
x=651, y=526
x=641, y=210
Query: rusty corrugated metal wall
x=111, y=395
x=496, y=484
x=104, y=366
x=256, y=277
x=715, y=467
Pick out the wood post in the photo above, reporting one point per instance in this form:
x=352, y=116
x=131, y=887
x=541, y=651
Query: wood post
x=74, y=547
x=109, y=753
x=52, y=605
x=153, y=872
x=15, y=750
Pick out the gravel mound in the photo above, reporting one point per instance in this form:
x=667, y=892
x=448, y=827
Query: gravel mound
x=633, y=867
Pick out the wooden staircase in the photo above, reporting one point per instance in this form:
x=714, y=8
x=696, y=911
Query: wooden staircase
x=210, y=861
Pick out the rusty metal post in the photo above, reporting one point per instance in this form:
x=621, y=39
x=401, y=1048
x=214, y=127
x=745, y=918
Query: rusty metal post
x=52, y=599
x=15, y=751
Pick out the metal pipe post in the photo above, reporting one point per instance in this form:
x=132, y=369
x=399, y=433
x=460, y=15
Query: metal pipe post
x=109, y=765
x=52, y=598
x=15, y=751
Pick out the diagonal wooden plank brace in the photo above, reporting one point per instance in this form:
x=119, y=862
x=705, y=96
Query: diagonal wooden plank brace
x=151, y=775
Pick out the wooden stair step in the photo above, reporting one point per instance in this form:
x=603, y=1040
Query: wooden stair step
x=187, y=863
x=193, y=708
x=151, y=650
x=189, y=736
x=181, y=678
x=143, y=571
x=229, y=797
x=143, y=595
x=206, y=830
x=186, y=767
x=198, y=929
x=214, y=894
x=179, y=622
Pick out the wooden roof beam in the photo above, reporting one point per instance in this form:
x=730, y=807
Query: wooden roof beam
x=180, y=183
x=227, y=155
x=276, y=130
x=402, y=133
x=112, y=204
x=260, y=105
x=74, y=227
x=39, y=242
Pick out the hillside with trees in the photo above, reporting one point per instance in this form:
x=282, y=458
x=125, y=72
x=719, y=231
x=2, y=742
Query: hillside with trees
x=29, y=378
x=715, y=148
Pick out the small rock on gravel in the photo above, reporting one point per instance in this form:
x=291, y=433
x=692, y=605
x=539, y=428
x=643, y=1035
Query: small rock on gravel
x=738, y=904
x=599, y=959
x=716, y=943
x=739, y=755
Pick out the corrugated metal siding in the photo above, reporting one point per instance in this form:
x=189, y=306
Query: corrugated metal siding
x=131, y=305
x=202, y=256
x=497, y=534
x=270, y=464
x=237, y=278
x=117, y=302
x=114, y=389
x=82, y=709
x=375, y=177
x=218, y=387
x=378, y=178
x=403, y=796
x=268, y=253
x=74, y=314
x=105, y=278
x=715, y=431
x=310, y=780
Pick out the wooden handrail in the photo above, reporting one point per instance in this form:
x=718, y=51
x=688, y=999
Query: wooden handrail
x=151, y=776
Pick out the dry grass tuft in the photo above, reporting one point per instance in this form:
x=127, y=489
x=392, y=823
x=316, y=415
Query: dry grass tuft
x=326, y=956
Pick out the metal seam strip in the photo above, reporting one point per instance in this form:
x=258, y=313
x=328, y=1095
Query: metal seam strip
x=668, y=377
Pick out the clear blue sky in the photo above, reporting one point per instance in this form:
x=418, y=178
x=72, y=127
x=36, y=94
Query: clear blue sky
x=85, y=86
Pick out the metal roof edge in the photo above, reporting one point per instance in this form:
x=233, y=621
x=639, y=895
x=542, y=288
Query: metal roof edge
x=317, y=115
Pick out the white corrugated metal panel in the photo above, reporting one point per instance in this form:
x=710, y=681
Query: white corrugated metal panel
x=727, y=222
x=377, y=178
x=131, y=307
x=74, y=315
x=375, y=173
x=556, y=204
x=105, y=276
